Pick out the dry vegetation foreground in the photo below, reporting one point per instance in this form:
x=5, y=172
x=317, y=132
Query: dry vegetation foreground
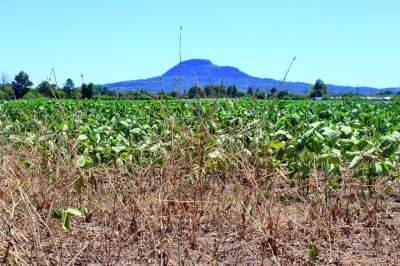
x=162, y=216
x=199, y=183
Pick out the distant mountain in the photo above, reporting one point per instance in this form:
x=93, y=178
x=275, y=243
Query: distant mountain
x=204, y=72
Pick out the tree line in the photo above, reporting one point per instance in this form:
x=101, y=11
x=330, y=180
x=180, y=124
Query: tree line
x=318, y=90
x=22, y=87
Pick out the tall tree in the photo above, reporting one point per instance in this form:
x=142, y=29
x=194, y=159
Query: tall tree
x=91, y=90
x=250, y=91
x=46, y=89
x=68, y=87
x=319, y=89
x=282, y=94
x=258, y=94
x=235, y=91
x=195, y=92
x=274, y=91
x=208, y=91
x=87, y=90
x=232, y=91
x=221, y=91
x=21, y=84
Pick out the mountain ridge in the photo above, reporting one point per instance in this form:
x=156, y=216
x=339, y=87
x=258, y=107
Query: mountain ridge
x=204, y=72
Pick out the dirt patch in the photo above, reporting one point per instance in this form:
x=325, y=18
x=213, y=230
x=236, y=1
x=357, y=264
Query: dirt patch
x=164, y=217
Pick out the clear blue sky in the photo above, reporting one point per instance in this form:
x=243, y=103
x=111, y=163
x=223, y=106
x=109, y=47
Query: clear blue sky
x=345, y=42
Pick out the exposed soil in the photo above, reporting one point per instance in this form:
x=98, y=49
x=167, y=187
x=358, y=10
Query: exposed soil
x=142, y=217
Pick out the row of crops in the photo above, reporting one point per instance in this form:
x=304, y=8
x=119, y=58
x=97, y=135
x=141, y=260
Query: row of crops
x=296, y=137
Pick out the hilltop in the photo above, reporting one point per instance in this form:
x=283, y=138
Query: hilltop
x=204, y=72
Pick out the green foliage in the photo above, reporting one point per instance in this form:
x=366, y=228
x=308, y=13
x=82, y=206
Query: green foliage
x=221, y=91
x=76, y=93
x=65, y=217
x=68, y=87
x=21, y=84
x=297, y=97
x=295, y=136
x=195, y=92
x=258, y=94
x=250, y=91
x=46, y=89
x=33, y=94
x=104, y=91
x=232, y=91
x=313, y=252
x=59, y=94
x=87, y=91
x=319, y=89
x=274, y=91
x=211, y=91
x=6, y=92
x=282, y=94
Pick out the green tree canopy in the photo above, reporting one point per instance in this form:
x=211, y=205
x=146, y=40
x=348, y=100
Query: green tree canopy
x=68, y=87
x=195, y=92
x=221, y=91
x=46, y=89
x=211, y=91
x=274, y=91
x=21, y=84
x=87, y=90
x=258, y=94
x=232, y=91
x=282, y=94
x=7, y=92
x=319, y=89
x=250, y=91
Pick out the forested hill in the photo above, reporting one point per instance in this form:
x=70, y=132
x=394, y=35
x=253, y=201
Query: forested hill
x=204, y=72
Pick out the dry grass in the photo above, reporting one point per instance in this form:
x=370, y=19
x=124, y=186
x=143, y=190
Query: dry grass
x=181, y=213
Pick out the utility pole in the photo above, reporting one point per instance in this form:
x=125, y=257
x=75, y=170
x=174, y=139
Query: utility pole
x=180, y=60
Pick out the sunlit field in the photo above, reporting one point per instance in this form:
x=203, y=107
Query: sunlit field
x=199, y=182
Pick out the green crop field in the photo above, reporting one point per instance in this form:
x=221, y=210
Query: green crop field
x=291, y=136
x=173, y=181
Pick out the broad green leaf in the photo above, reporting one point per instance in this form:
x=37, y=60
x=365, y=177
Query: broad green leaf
x=81, y=161
x=346, y=130
x=82, y=137
x=355, y=161
x=73, y=211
